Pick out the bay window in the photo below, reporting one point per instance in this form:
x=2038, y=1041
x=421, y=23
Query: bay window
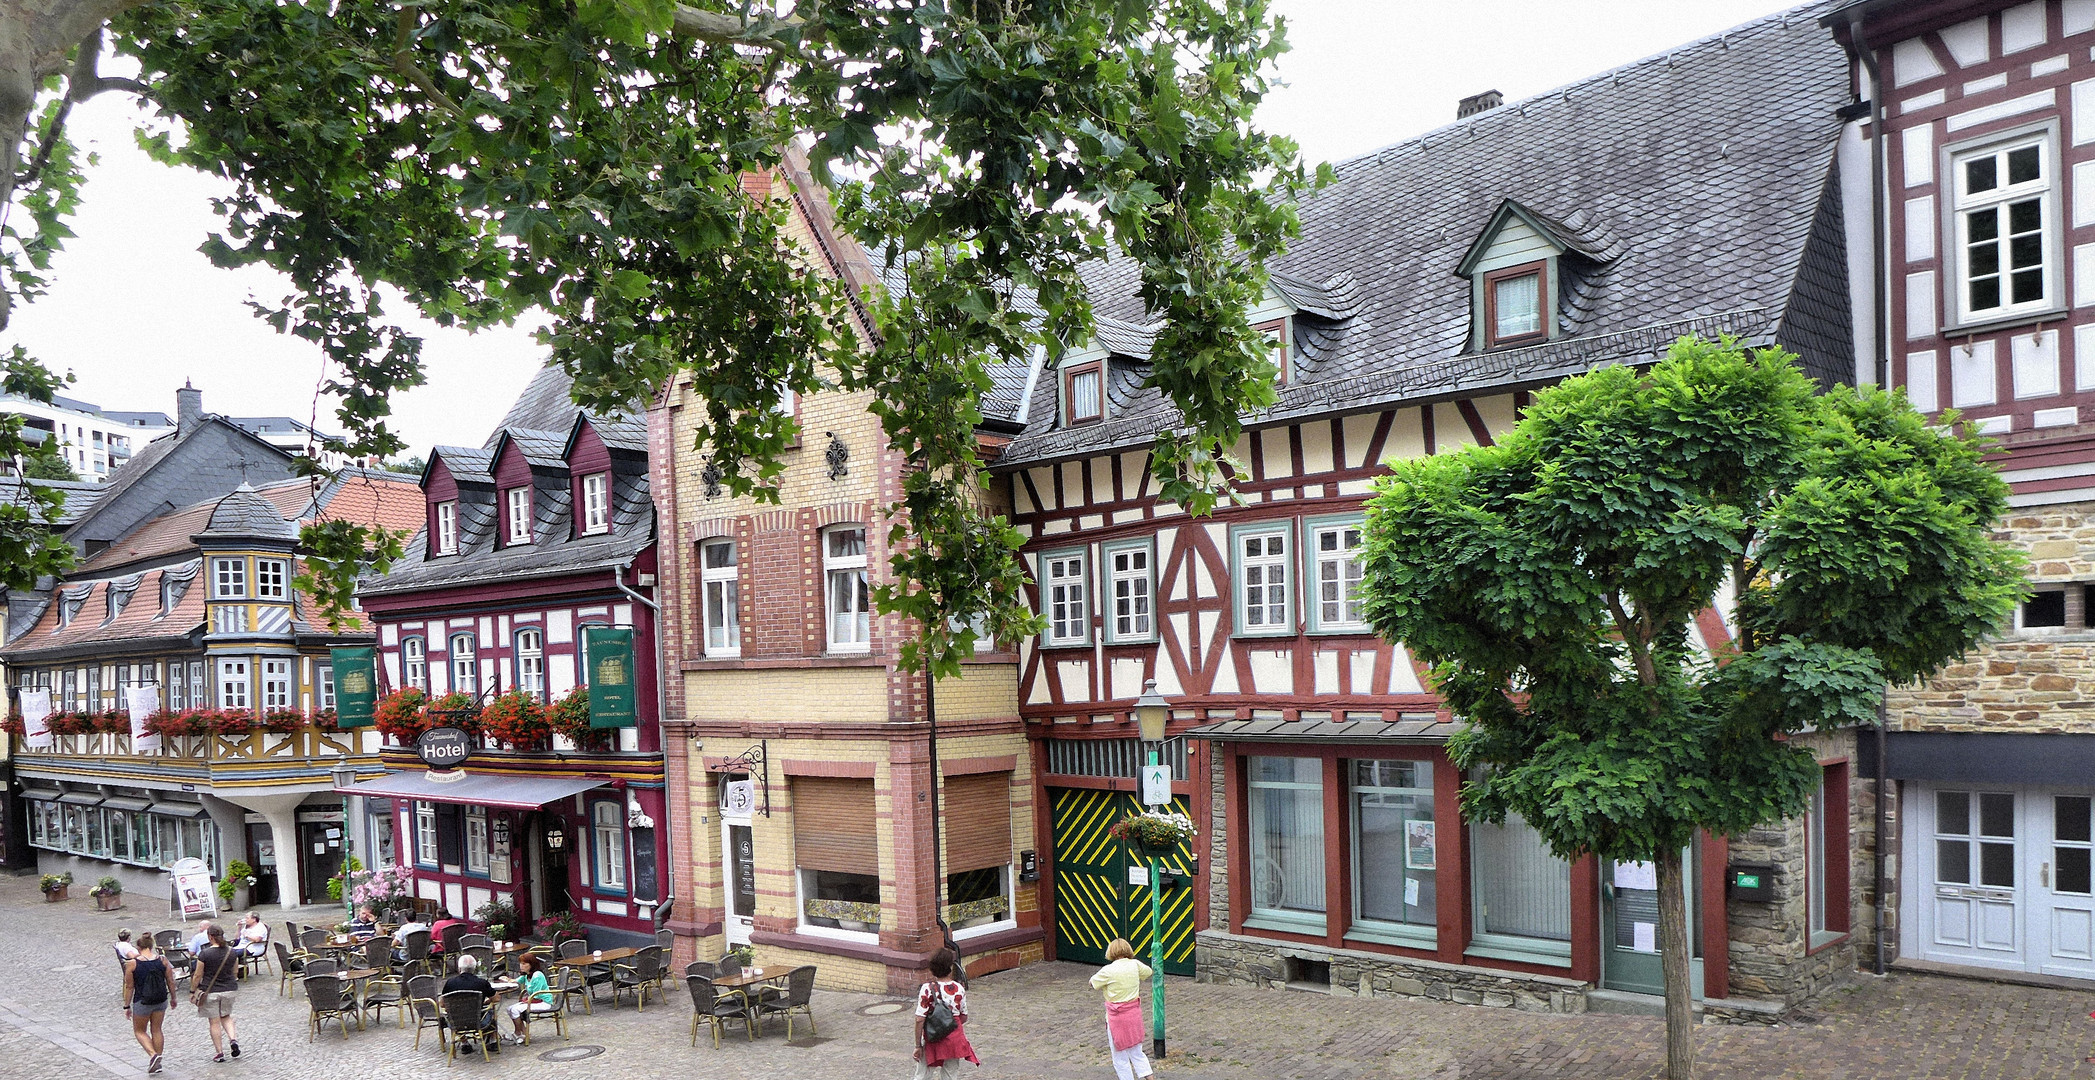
x=232, y=684
x=272, y=579
x=228, y=578
x=1287, y=842
x=276, y=684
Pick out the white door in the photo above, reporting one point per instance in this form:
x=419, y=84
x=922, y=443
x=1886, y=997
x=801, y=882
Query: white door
x=2062, y=912
x=1970, y=901
x=739, y=864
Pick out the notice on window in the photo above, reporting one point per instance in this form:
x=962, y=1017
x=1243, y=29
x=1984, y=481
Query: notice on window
x=1637, y=875
x=1410, y=892
x=1644, y=937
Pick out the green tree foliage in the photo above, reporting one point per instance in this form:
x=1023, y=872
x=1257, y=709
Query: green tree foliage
x=482, y=158
x=1551, y=581
x=45, y=462
x=29, y=547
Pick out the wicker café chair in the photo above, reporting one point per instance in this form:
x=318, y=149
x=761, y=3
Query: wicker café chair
x=290, y=966
x=557, y=1016
x=646, y=971
x=464, y=1011
x=799, y=995
x=708, y=1007
x=330, y=1000
x=422, y=994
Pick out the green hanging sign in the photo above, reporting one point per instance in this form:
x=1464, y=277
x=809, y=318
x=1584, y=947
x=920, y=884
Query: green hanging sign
x=356, y=686
x=612, y=702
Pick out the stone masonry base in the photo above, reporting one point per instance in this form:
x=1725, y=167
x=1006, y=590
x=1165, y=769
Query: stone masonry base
x=1247, y=961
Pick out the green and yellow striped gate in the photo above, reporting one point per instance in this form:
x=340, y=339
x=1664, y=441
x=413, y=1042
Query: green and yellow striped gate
x=1094, y=900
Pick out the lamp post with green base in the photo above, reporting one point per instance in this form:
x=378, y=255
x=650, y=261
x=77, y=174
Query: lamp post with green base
x=1152, y=713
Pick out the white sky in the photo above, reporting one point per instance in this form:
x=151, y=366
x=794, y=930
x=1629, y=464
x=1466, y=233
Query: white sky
x=137, y=310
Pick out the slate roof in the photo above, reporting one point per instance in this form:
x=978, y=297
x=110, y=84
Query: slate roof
x=247, y=514
x=1425, y=729
x=365, y=496
x=547, y=404
x=137, y=621
x=1694, y=184
x=80, y=495
x=134, y=473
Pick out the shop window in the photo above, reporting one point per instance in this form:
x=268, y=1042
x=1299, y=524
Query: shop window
x=476, y=840
x=1287, y=842
x=848, y=600
x=607, y=856
x=976, y=812
x=414, y=664
x=836, y=855
x=531, y=663
x=722, y=597
x=1523, y=894
x=1395, y=849
x=1826, y=851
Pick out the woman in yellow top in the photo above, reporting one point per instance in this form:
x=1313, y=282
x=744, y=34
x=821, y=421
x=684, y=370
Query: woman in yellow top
x=1121, y=979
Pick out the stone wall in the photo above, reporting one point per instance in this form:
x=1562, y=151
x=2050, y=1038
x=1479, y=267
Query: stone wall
x=1771, y=957
x=1248, y=961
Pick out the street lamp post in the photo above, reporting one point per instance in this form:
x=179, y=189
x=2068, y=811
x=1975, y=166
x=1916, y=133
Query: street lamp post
x=1152, y=712
x=345, y=776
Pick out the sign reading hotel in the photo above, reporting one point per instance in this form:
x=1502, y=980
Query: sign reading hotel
x=611, y=699
x=356, y=686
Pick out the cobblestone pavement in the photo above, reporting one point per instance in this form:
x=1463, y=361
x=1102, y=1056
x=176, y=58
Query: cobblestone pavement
x=60, y=1020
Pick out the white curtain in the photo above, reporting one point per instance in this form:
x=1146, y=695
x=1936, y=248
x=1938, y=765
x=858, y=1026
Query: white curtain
x=1522, y=889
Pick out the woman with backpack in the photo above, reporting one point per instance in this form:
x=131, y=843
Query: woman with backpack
x=147, y=982
x=942, y=1022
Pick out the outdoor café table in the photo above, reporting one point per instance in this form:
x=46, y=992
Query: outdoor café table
x=354, y=941
x=355, y=978
x=604, y=957
x=748, y=982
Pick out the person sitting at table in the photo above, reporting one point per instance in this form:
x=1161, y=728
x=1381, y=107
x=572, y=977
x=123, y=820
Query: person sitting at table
x=469, y=978
x=254, y=935
x=436, y=933
x=201, y=938
x=366, y=922
x=533, y=993
x=400, y=938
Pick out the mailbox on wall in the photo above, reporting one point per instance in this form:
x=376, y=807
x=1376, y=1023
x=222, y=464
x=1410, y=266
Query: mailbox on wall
x=1751, y=881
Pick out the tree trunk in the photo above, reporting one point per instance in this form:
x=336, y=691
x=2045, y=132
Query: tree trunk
x=1673, y=960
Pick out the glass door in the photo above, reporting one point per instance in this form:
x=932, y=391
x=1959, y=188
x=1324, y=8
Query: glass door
x=2062, y=929
x=1629, y=920
x=739, y=844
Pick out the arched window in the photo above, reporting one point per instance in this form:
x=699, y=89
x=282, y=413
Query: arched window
x=531, y=663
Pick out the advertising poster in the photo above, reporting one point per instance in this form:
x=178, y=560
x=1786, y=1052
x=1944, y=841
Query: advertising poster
x=36, y=715
x=142, y=700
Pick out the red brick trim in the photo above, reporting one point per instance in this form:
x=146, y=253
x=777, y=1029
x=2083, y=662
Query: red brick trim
x=801, y=767
x=976, y=765
x=879, y=954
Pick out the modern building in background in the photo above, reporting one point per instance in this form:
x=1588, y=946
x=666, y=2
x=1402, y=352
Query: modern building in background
x=524, y=546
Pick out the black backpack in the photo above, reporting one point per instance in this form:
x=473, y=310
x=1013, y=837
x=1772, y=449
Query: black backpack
x=149, y=982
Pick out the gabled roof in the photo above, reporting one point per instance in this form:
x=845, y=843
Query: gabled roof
x=365, y=496
x=1576, y=234
x=465, y=464
x=1696, y=175
x=80, y=495
x=170, y=534
x=139, y=621
x=541, y=449
x=134, y=472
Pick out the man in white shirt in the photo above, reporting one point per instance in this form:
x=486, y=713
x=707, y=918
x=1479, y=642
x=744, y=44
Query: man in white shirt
x=400, y=937
x=201, y=938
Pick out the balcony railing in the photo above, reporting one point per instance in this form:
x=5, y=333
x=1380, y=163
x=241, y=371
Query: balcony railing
x=308, y=747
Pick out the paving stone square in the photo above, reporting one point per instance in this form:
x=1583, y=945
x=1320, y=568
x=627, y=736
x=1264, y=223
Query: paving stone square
x=60, y=1020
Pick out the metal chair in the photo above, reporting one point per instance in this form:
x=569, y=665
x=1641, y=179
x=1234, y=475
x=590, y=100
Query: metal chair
x=593, y=975
x=557, y=1014
x=465, y=1011
x=705, y=969
x=667, y=939
x=799, y=994
x=422, y=992
x=329, y=1000
x=313, y=941
x=288, y=965
x=708, y=1007
x=647, y=970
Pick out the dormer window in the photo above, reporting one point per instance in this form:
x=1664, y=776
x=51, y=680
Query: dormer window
x=517, y=504
x=446, y=527
x=1084, y=388
x=1276, y=334
x=1513, y=299
x=596, y=503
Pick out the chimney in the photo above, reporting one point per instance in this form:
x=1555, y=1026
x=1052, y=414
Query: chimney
x=189, y=408
x=1476, y=103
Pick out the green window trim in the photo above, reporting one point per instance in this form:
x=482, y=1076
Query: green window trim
x=1109, y=595
x=1313, y=584
x=1048, y=640
x=1519, y=949
x=1287, y=562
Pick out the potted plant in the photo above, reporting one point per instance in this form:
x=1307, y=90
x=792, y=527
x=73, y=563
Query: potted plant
x=54, y=886
x=570, y=717
x=113, y=722
x=232, y=723
x=282, y=721
x=456, y=709
x=70, y=723
x=238, y=875
x=335, y=885
x=400, y=717
x=743, y=952
x=517, y=719
x=499, y=917
x=562, y=926
x=108, y=894
x=1154, y=832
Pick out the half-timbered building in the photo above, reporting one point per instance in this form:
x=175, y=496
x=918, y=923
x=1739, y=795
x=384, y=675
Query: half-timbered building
x=1435, y=284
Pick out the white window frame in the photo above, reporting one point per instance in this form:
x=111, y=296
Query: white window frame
x=272, y=579
x=517, y=503
x=720, y=592
x=235, y=675
x=476, y=841
x=447, y=527
x=596, y=503
x=531, y=662
x=1322, y=566
x=838, y=567
x=276, y=683
x=425, y=835
x=1275, y=620
x=607, y=846
x=1131, y=590
x=1065, y=595
x=2046, y=189
x=229, y=578
x=414, y=663
x=1095, y=370
x=324, y=685
x=465, y=663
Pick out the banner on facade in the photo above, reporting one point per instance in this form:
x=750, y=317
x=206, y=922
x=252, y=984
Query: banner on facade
x=193, y=891
x=611, y=697
x=143, y=700
x=36, y=717
x=356, y=686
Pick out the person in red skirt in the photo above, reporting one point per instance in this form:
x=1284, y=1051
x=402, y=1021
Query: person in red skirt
x=937, y=1058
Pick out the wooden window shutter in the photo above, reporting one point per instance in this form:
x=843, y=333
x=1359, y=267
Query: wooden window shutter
x=977, y=821
x=833, y=825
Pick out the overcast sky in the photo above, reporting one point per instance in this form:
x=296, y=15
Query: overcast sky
x=137, y=310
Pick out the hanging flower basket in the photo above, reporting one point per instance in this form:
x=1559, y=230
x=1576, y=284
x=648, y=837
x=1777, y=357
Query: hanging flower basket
x=400, y=717
x=1154, y=833
x=517, y=719
x=570, y=717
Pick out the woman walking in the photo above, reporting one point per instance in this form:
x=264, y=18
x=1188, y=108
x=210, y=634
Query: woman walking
x=942, y=1023
x=217, y=979
x=147, y=979
x=1121, y=979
